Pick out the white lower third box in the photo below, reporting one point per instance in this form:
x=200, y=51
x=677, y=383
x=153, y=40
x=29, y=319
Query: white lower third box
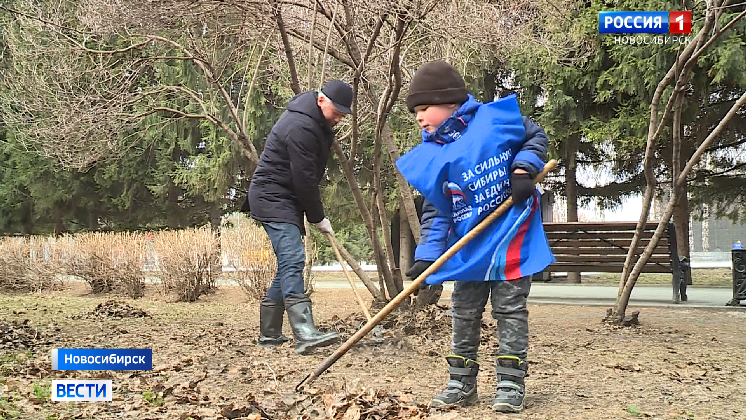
x=81, y=390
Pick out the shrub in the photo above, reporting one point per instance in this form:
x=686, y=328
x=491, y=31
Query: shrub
x=28, y=264
x=249, y=257
x=189, y=262
x=108, y=262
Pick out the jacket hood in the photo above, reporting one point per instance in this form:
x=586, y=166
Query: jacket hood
x=453, y=127
x=305, y=103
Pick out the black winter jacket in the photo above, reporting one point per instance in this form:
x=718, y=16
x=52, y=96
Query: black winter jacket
x=285, y=184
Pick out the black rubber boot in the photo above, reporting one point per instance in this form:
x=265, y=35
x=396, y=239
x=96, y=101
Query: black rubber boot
x=511, y=372
x=461, y=389
x=271, y=313
x=307, y=337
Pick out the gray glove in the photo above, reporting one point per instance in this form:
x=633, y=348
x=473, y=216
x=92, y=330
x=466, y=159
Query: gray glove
x=324, y=226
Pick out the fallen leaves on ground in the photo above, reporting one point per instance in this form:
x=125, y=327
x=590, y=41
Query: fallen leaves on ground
x=677, y=364
x=112, y=309
x=19, y=335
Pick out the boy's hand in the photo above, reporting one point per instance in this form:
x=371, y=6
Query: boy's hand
x=522, y=185
x=418, y=268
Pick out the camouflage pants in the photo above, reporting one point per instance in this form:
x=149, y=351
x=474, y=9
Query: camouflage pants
x=468, y=301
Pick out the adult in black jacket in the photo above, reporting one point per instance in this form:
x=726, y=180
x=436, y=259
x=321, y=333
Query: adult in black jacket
x=285, y=186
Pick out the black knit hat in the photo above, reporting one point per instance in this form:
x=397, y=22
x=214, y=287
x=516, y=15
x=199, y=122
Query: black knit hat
x=436, y=83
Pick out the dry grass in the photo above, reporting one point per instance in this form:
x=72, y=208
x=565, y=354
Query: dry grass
x=189, y=262
x=250, y=258
x=714, y=277
x=186, y=263
x=28, y=264
x=108, y=262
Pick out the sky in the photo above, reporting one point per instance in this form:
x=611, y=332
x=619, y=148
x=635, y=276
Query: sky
x=628, y=212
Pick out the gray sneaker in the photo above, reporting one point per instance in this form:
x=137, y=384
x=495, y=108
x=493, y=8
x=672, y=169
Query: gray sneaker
x=461, y=389
x=509, y=397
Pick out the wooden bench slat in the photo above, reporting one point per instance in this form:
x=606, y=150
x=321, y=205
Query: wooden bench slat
x=597, y=235
x=663, y=245
x=605, y=226
x=603, y=268
x=608, y=250
x=608, y=259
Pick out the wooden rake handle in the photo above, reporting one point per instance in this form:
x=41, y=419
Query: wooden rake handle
x=398, y=299
x=349, y=278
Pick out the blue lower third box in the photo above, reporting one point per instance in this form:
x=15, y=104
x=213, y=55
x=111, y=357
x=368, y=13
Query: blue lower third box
x=81, y=390
x=102, y=359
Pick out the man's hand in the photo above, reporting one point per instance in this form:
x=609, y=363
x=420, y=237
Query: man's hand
x=324, y=226
x=522, y=185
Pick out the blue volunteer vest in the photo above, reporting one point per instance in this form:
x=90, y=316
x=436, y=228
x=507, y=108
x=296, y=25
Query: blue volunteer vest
x=466, y=180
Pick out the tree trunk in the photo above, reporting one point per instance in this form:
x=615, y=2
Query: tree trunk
x=406, y=191
x=381, y=255
x=705, y=227
x=396, y=279
x=27, y=218
x=344, y=163
x=59, y=224
x=572, y=195
x=384, y=252
x=681, y=207
x=681, y=223
x=490, y=87
x=405, y=249
x=93, y=219
x=216, y=215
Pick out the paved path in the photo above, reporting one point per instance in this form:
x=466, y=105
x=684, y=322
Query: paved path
x=570, y=294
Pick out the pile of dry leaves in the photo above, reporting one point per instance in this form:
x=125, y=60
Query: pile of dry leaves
x=432, y=320
x=427, y=329
x=19, y=335
x=112, y=309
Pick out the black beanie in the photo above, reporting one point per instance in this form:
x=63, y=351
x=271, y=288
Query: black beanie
x=436, y=83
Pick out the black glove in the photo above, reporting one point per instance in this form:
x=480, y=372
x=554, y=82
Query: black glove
x=418, y=268
x=522, y=185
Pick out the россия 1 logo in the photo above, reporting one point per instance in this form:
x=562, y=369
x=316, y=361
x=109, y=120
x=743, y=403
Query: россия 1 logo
x=645, y=22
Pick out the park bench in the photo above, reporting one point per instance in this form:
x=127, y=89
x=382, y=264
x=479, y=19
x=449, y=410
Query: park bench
x=601, y=247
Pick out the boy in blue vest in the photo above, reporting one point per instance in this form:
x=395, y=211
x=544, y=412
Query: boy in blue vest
x=472, y=158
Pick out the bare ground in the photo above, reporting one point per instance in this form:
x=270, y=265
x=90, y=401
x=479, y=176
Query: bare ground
x=678, y=364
